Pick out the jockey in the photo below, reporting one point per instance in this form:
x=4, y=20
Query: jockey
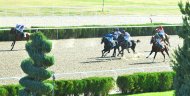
x=158, y=39
x=19, y=29
x=110, y=37
x=160, y=31
x=116, y=33
x=127, y=37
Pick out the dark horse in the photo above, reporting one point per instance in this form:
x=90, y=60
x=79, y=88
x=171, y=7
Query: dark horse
x=126, y=45
x=108, y=46
x=18, y=36
x=156, y=48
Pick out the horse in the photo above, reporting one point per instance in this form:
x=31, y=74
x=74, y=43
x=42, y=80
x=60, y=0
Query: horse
x=156, y=48
x=125, y=45
x=18, y=36
x=108, y=46
x=166, y=39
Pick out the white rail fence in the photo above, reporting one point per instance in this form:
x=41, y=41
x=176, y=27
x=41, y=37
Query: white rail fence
x=113, y=73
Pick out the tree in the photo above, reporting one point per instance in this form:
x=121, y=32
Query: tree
x=35, y=66
x=181, y=60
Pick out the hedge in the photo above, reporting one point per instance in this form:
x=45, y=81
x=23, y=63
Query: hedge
x=145, y=82
x=90, y=32
x=96, y=86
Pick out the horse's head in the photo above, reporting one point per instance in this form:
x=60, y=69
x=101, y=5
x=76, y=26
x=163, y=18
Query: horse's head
x=120, y=38
x=103, y=39
x=152, y=40
x=12, y=31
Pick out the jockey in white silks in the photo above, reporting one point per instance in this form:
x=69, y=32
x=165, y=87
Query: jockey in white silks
x=116, y=33
x=20, y=29
x=127, y=37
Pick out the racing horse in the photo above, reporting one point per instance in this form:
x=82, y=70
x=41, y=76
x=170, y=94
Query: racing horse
x=125, y=45
x=166, y=39
x=108, y=47
x=18, y=36
x=156, y=48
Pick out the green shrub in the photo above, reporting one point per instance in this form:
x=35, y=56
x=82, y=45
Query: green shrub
x=141, y=83
x=63, y=33
x=98, y=86
x=12, y=89
x=3, y=92
x=152, y=82
x=145, y=82
x=126, y=83
x=166, y=81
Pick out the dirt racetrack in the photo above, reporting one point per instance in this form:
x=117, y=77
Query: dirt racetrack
x=81, y=58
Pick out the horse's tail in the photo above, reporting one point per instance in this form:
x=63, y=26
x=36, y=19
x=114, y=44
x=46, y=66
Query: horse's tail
x=138, y=41
x=167, y=39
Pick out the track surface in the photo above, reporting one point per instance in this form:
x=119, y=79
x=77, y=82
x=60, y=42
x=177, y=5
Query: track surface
x=80, y=58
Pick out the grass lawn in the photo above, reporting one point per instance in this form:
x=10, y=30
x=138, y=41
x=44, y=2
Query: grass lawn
x=167, y=93
x=88, y=7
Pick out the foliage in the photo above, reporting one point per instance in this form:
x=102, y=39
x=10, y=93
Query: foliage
x=145, y=82
x=35, y=66
x=94, y=85
x=90, y=32
x=98, y=86
x=181, y=57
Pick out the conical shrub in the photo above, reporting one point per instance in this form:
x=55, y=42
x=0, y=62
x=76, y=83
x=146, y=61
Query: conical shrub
x=35, y=66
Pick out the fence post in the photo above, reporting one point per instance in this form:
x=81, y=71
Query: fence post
x=57, y=34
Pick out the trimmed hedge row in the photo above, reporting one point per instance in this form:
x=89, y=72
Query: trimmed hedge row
x=91, y=32
x=96, y=86
x=146, y=82
x=100, y=86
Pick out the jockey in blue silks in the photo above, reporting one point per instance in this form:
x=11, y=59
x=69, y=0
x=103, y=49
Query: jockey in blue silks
x=19, y=29
x=110, y=37
x=158, y=39
x=160, y=31
x=127, y=37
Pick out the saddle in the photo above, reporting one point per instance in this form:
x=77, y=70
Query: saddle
x=20, y=34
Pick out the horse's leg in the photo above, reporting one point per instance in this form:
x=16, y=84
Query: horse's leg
x=133, y=48
x=102, y=53
x=122, y=53
x=114, y=52
x=13, y=44
x=166, y=50
x=154, y=56
x=150, y=53
x=128, y=50
x=163, y=55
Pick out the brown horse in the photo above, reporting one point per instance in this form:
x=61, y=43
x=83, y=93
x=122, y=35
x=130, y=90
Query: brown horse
x=166, y=39
x=156, y=48
x=18, y=36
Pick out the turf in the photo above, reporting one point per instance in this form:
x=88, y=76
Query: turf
x=167, y=93
x=88, y=7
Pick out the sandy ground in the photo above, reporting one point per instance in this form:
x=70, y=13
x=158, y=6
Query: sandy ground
x=81, y=58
